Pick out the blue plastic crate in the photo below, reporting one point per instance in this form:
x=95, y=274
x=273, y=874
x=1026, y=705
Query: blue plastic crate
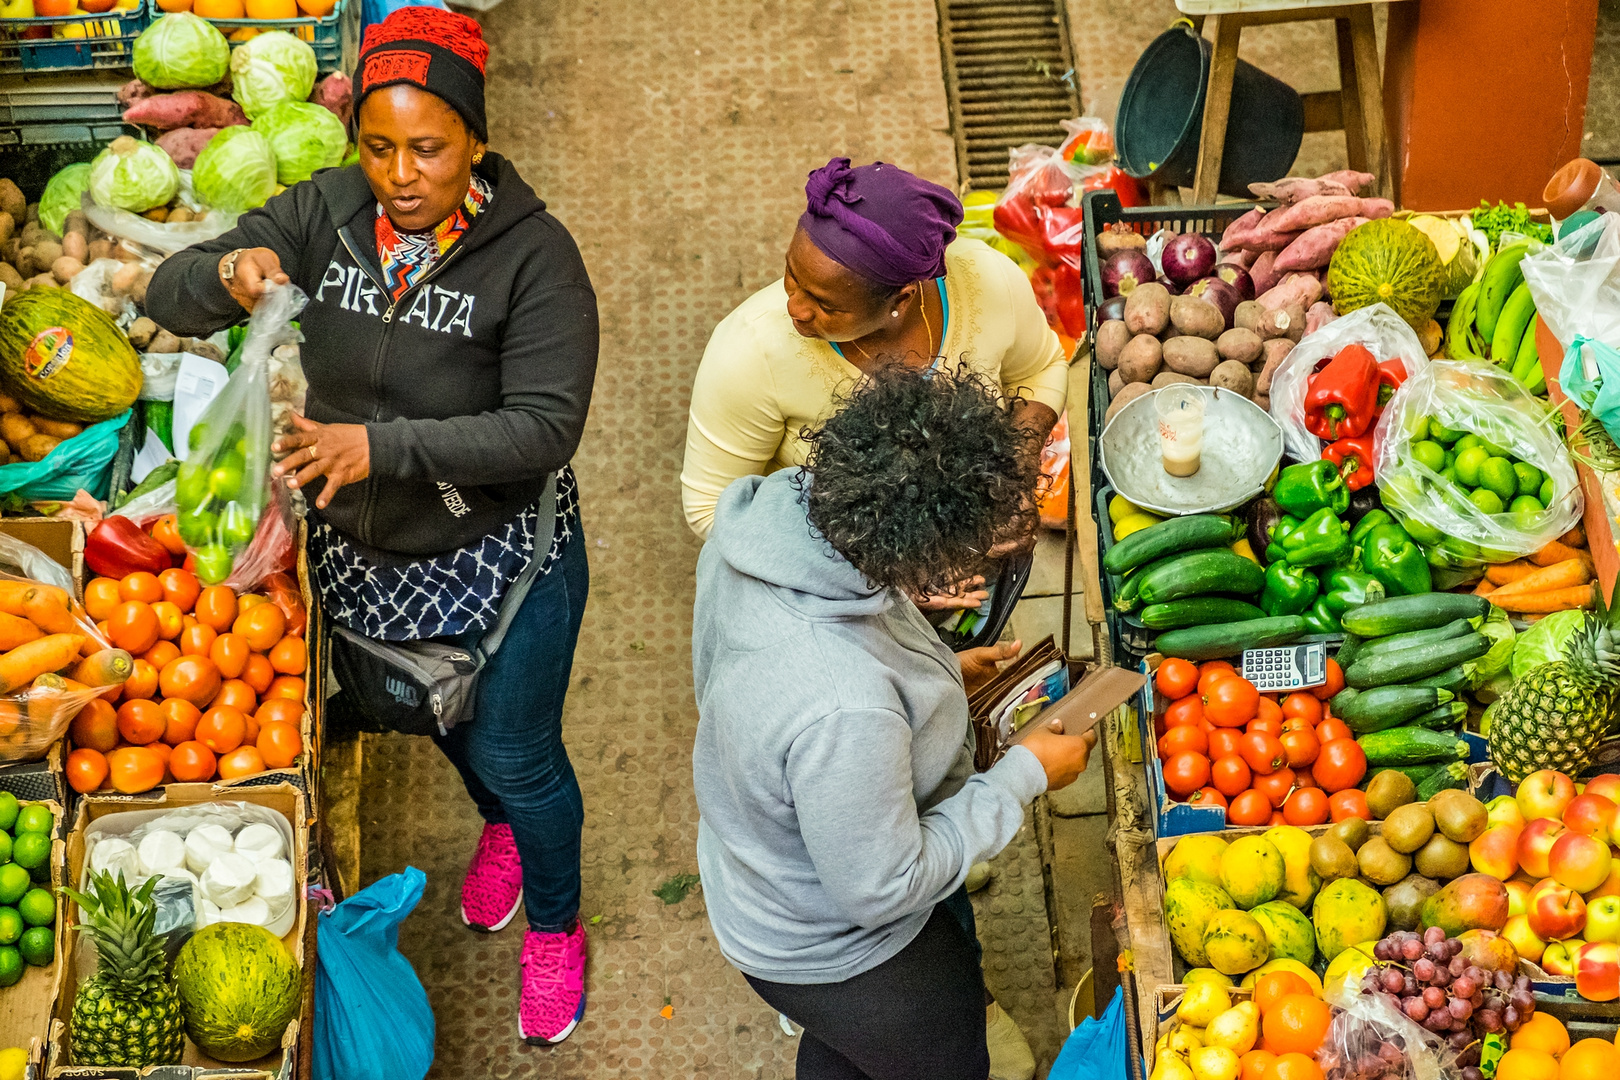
x=335, y=37
x=1170, y=818
x=1131, y=640
x=107, y=44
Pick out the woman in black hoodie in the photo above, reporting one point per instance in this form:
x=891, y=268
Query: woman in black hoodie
x=450, y=345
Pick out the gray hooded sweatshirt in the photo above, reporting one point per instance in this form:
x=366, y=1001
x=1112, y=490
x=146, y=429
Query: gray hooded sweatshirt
x=834, y=761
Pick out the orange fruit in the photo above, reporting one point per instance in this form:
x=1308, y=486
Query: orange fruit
x=197, y=639
x=216, y=607
x=133, y=627
x=141, y=586
x=191, y=761
x=1542, y=1031
x=1295, y=1024
x=101, y=597
x=286, y=686
x=162, y=654
x=1293, y=1066
x=290, y=656
x=135, y=768
x=1519, y=1064
x=86, y=769
x=250, y=601
x=244, y=761
x=229, y=653
x=1590, y=1059
x=222, y=730
x=169, y=617
x=1276, y=985
x=1255, y=1064
x=95, y=726
x=238, y=695
x=141, y=722
x=219, y=9
x=191, y=678
x=279, y=744
x=272, y=9
x=180, y=721
x=175, y=5
x=262, y=626
x=317, y=9
x=142, y=682
x=180, y=588
x=258, y=673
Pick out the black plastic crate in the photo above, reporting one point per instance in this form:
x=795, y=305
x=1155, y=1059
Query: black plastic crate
x=335, y=37
x=1131, y=640
x=30, y=154
x=101, y=41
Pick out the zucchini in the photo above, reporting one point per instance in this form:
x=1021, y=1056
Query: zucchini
x=1456, y=628
x=1415, y=663
x=1127, y=600
x=1454, y=679
x=1200, y=573
x=1441, y=717
x=1199, y=611
x=1349, y=650
x=1452, y=775
x=1385, y=706
x=1167, y=538
x=1230, y=639
x=1411, y=746
x=1398, y=614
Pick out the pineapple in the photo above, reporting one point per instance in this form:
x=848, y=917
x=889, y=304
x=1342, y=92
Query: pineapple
x=1555, y=716
x=128, y=1014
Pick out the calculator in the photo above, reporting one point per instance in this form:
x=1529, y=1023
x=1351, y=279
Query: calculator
x=1292, y=667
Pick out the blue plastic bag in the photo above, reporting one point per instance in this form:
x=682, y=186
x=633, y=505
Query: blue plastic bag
x=375, y=11
x=84, y=461
x=372, y=1017
x=1096, y=1049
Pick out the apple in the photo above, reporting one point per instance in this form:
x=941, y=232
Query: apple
x=1559, y=957
x=1603, y=919
x=52, y=9
x=1535, y=845
x=1504, y=810
x=1518, y=891
x=1544, y=794
x=1597, y=971
x=1591, y=815
x=1581, y=862
x=1496, y=851
x=1606, y=785
x=1523, y=939
x=1611, y=884
x=1555, y=911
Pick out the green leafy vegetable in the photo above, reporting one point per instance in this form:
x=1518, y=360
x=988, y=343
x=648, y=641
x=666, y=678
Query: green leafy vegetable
x=63, y=195
x=271, y=68
x=1499, y=631
x=304, y=137
x=181, y=50
x=1544, y=642
x=134, y=176
x=676, y=888
x=1494, y=221
x=236, y=171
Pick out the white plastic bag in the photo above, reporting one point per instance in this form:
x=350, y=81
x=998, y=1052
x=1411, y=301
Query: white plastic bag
x=1378, y=329
x=1483, y=399
x=155, y=241
x=1576, y=284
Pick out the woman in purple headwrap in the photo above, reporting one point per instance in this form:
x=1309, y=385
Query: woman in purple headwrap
x=875, y=273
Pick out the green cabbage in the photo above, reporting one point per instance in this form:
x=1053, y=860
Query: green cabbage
x=1544, y=642
x=1499, y=632
x=236, y=171
x=181, y=50
x=271, y=68
x=63, y=195
x=132, y=175
x=304, y=137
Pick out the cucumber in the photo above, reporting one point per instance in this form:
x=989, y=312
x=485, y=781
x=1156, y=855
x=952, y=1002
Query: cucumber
x=1452, y=775
x=1230, y=639
x=1349, y=651
x=1454, y=679
x=1200, y=573
x=1441, y=717
x=1398, y=614
x=1396, y=642
x=1415, y=663
x=1415, y=773
x=1127, y=600
x=1411, y=746
x=1199, y=611
x=1167, y=538
x=1385, y=707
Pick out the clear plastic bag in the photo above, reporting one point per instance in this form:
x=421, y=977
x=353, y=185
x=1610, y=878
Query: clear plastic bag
x=1089, y=141
x=1370, y=1040
x=1382, y=332
x=1483, y=399
x=147, y=508
x=155, y=241
x=1576, y=286
x=224, y=486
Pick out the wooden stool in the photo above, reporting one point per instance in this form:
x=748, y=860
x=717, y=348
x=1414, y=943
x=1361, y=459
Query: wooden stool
x=1356, y=108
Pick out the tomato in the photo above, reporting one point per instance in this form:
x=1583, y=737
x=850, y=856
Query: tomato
x=140, y=586
x=162, y=654
x=222, y=730
x=290, y=656
x=169, y=618
x=1176, y=678
x=1351, y=802
x=244, y=761
x=180, y=721
x=250, y=730
x=1263, y=753
x=191, y=678
x=280, y=711
x=1303, y=706
x=86, y=769
x=1207, y=796
x=135, y=768
x=258, y=673
x=280, y=744
x=1249, y=808
x=250, y=601
x=191, y=761
x=140, y=722
x=133, y=626
x=1306, y=806
x=229, y=653
x=1231, y=702
x=180, y=588
x=1276, y=818
x=1335, y=681
x=1268, y=710
x=1340, y=764
x=1185, y=773
x=216, y=607
x=1230, y=775
x=142, y=682
x=238, y=695
x=1188, y=710
x=1261, y=723
x=1223, y=742
x=166, y=531
x=1178, y=740
x=1297, y=723
x=95, y=726
x=1276, y=786
x=262, y=625
x=1211, y=671
x=287, y=686
x=1329, y=730
x=197, y=639
x=1300, y=746
x=101, y=597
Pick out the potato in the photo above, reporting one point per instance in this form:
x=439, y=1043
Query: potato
x=31, y=211
x=9, y=404
x=1193, y=356
x=1128, y=394
x=1233, y=375
x=138, y=292
x=75, y=222
x=37, y=446
x=12, y=280
x=1248, y=315
x=65, y=268
x=1239, y=344
x=42, y=281
x=159, y=214
x=1196, y=317
x=1111, y=338
x=1288, y=322
x=1274, y=352
x=1115, y=384
x=1118, y=237
x=123, y=279
x=76, y=247
x=1170, y=378
x=1262, y=400
x=206, y=349
x=100, y=249
x=32, y=233
x=1147, y=309
x=163, y=342
x=1139, y=360
x=16, y=429
x=180, y=214
x=61, y=429
x=13, y=203
x=46, y=252
x=1430, y=335
x=8, y=227
x=140, y=332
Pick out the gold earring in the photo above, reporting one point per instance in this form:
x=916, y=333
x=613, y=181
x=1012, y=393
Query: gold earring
x=478, y=157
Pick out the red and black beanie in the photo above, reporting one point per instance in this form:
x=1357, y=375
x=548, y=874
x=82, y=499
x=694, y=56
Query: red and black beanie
x=439, y=51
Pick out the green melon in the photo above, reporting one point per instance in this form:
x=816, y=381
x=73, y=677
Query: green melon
x=1387, y=262
x=65, y=358
x=239, y=988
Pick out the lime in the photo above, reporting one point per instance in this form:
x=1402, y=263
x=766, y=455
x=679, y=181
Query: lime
x=13, y=1063
x=38, y=946
x=1468, y=442
x=1499, y=451
x=35, y=819
x=1449, y=474
x=1451, y=458
x=1546, y=492
x=1487, y=501
x=11, y=925
x=1468, y=463
x=1526, y=504
x=31, y=849
x=37, y=907
x=8, y=810
x=1529, y=477
x=1423, y=534
x=5, y=848
x=14, y=882
x=1431, y=455
x=1118, y=507
x=1440, y=433
x=1460, y=549
x=11, y=965
x=1420, y=430
x=1497, y=475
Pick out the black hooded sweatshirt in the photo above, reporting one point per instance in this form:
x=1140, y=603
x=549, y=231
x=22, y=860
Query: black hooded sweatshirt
x=473, y=386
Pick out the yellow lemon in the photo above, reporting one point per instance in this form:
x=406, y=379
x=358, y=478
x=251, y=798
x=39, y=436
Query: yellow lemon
x=13, y=1063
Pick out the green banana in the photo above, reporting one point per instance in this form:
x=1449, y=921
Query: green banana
x=1527, y=357
x=1537, y=383
x=1459, y=328
x=1516, y=314
x=1502, y=276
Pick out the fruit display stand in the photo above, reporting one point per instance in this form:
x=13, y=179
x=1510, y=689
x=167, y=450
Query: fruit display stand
x=1601, y=492
x=335, y=37
x=26, y=1006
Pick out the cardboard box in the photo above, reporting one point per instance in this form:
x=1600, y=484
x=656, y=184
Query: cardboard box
x=283, y=798
x=26, y=1006
x=1165, y=1001
x=59, y=538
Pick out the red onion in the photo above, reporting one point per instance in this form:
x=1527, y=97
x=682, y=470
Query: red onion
x=1123, y=271
x=1112, y=308
x=1237, y=277
x=1175, y=289
x=1219, y=293
x=1188, y=257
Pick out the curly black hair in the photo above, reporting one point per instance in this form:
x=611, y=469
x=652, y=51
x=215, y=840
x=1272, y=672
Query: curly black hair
x=919, y=474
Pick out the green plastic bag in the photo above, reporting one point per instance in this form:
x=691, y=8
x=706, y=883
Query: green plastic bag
x=84, y=461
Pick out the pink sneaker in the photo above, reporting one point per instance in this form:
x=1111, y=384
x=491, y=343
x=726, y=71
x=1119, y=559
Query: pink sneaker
x=492, y=891
x=553, y=997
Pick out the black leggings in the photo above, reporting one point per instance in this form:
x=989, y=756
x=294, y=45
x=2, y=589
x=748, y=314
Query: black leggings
x=917, y=1016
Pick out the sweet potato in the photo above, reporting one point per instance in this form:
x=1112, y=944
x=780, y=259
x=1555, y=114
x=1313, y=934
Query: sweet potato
x=1139, y=360
x=1316, y=245
x=1240, y=344
x=1147, y=309
x=1111, y=338
x=335, y=93
x=1262, y=400
x=1273, y=352
x=1296, y=289
x=1263, y=272
x=1373, y=209
x=1239, y=228
x=1352, y=181
x=1194, y=356
x=1288, y=322
x=185, y=108
x=25, y=663
x=1130, y=393
x=1319, y=315
x=185, y=143
x=1292, y=190
x=1196, y=317
x=135, y=90
x=1312, y=211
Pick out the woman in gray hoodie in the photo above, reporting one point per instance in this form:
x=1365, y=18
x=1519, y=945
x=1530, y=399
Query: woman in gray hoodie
x=834, y=759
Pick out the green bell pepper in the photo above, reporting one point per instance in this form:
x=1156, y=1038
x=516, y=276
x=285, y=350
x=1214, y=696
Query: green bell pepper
x=1320, y=618
x=1311, y=486
x=1321, y=540
x=1369, y=521
x=1392, y=557
x=1290, y=590
x=1285, y=525
x=1345, y=589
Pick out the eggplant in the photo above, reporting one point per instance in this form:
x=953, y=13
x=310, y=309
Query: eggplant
x=1264, y=513
x=1111, y=308
x=1361, y=503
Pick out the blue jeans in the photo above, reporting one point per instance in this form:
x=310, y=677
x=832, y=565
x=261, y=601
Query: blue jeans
x=511, y=755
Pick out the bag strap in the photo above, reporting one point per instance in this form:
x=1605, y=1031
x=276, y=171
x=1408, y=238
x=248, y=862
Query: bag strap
x=519, y=590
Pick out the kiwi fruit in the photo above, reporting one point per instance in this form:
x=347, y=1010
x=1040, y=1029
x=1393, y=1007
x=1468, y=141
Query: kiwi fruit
x=1353, y=831
x=1408, y=828
x=1332, y=859
x=1459, y=816
x=1382, y=864
x=1403, y=901
x=1389, y=790
x=1441, y=857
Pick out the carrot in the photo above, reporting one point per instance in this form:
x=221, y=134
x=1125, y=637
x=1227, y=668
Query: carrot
x=1561, y=575
x=1578, y=596
x=1575, y=538
x=15, y=631
x=109, y=667
x=1502, y=573
x=1557, y=552
x=1484, y=588
x=12, y=596
x=47, y=608
x=25, y=663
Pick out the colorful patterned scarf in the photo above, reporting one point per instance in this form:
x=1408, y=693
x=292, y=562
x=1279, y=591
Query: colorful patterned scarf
x=407, y=257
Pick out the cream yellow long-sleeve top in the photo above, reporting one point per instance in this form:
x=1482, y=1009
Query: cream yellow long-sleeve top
x=760, y=382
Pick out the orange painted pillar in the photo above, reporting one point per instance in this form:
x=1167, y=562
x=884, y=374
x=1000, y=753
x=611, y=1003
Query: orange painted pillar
x=1484, y=98
x=1599, y=530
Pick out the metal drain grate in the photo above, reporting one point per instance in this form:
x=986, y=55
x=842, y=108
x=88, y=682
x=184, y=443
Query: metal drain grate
x=1009, y=79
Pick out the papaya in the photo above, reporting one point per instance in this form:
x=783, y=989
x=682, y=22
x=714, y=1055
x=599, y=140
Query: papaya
x=1471, y=902
x=1288, y=931
x=1347, y=911
x=1188, y=907
x=1252, y=871
x=1197, y=857
x=1300, y=881
x=1235, y=942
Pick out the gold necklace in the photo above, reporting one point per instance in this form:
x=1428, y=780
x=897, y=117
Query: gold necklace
x=928, y=328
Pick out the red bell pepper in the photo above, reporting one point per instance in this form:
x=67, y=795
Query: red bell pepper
x=117, y=548
x=1354, y=458
x=1014, y=218
x=1391, y=373
x=1071, y=308
x=1061, y=233
x=1342, y=400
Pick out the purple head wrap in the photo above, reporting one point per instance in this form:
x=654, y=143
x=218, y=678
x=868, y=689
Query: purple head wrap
x=880, y=221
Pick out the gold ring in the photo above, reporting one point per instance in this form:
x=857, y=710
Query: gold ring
x=314, y=453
